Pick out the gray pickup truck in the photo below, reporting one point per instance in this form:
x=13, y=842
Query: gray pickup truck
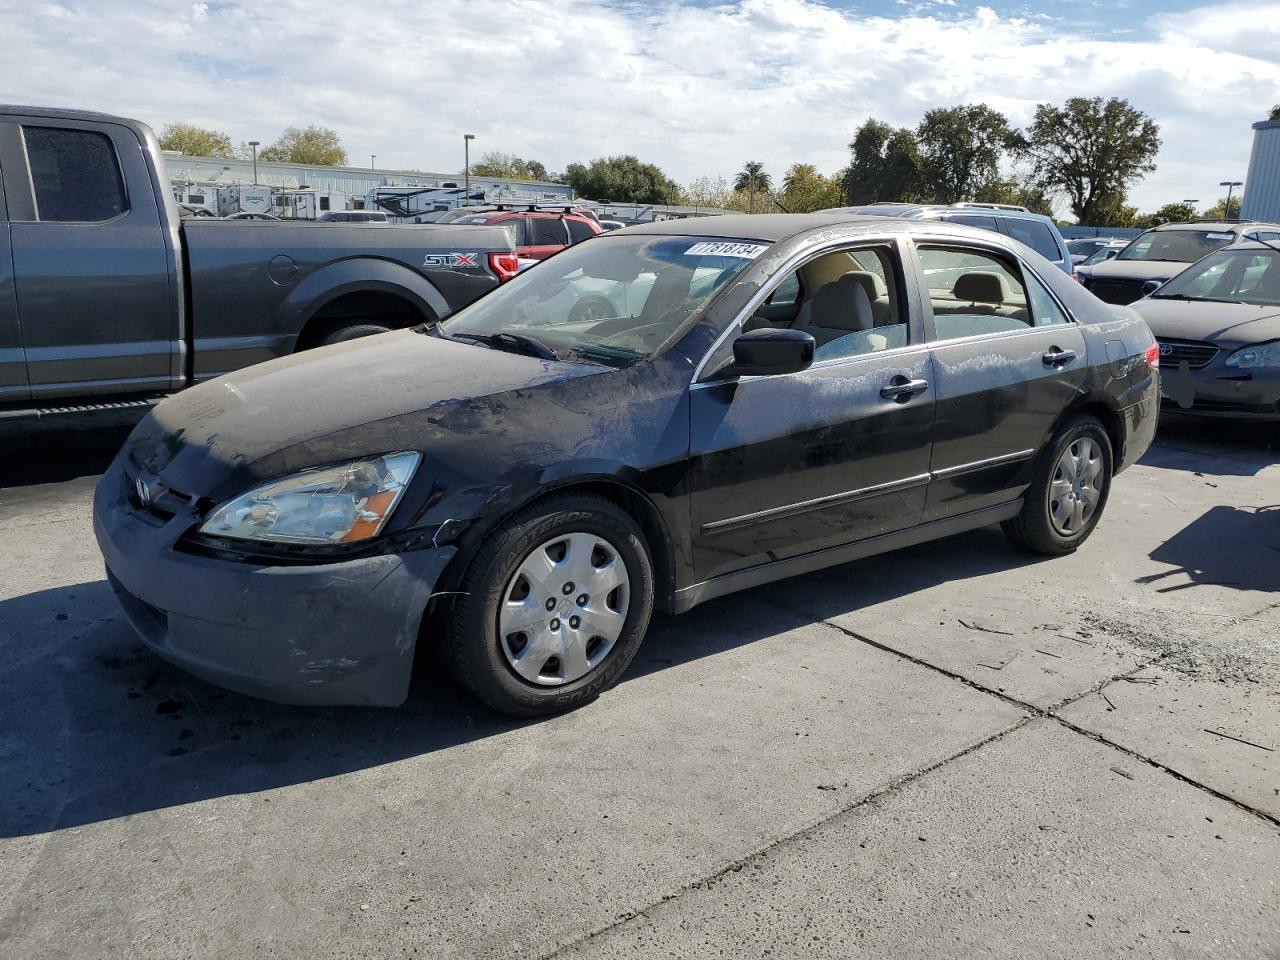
x=107, y=297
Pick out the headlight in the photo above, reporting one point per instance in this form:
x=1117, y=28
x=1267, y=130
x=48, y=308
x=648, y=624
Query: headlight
x=1261, y=355
x=341, y=504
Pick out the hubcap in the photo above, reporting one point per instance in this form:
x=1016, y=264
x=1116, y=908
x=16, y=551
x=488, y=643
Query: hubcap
x=1076, y=488
x=563, y=609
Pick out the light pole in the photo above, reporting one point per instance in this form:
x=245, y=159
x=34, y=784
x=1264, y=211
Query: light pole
x=254, y=144
x=373, y=161
x=1230, y=185
x=466, y=168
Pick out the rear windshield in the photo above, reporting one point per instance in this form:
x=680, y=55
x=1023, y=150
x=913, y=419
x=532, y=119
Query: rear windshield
x=616, y=300
x=1179, y=246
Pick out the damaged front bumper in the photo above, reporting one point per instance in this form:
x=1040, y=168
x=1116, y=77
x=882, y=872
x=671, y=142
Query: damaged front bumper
x=329, y=633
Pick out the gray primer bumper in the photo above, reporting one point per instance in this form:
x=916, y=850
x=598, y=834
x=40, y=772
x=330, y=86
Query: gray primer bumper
x=338, y=633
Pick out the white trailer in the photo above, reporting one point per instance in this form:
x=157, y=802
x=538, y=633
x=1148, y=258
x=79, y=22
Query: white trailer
x=306, y=203
x=201, y=195
x=243, y=198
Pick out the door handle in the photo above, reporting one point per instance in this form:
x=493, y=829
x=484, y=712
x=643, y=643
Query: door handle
x=902, y=389
x=1058, y=358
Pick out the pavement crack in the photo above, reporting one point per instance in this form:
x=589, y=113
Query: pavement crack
x=1051, y=713
x=736, y=865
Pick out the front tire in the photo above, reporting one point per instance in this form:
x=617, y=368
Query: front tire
x=1066, y=498
x=553, y=608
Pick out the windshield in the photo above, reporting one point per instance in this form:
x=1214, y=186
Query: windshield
x=1182, y=246
x=1078, y=247
x=1243, y=276
x=615, y=300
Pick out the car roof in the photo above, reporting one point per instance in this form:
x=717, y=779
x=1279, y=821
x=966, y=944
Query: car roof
x=1252, y=245
x=1223, y=225
x=971, y=209
x=760, y=226
x=775, y=227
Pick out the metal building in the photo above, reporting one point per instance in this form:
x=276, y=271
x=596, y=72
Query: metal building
x=1262, y=183
x=350, y=181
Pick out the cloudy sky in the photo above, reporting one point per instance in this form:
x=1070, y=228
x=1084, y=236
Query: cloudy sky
x=697, y=87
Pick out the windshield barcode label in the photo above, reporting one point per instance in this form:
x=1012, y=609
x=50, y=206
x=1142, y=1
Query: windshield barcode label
x=724, y=248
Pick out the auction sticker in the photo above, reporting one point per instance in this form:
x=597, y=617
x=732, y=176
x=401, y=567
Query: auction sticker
x=725, y=248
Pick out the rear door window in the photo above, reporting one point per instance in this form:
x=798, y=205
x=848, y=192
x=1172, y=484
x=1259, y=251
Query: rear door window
x=973, y=292
x=515, y=226
x=578, y=230
x=547, y=231
x=1035, y=235
x=75, y=175
x=974, y=220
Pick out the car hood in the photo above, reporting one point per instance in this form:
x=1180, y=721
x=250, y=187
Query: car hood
x=373, y=395
x=1229, y=324
x=1137, y=269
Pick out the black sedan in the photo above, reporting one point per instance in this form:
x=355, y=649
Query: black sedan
x=1218, y=324
x=665, y=415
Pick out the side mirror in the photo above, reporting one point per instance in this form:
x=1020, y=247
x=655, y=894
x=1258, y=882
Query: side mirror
x=1111, y=254
x=763, y=353
x=1151, y=286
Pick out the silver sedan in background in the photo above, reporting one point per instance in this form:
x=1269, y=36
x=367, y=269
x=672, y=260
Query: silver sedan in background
x=1218, y=326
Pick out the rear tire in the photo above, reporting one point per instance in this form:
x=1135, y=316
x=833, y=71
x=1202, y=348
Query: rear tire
x=1066, y=498
x=522, y=644
x=352, y=331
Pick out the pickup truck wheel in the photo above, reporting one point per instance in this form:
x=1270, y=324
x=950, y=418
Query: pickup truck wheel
x=553, y=607
x=351, y=332
x=1069, y=491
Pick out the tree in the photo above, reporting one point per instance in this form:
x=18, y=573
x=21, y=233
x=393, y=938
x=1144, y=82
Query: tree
x=960, y=150
x=1112, y=211
x=753, y=179
x=318, y=146
x=884, y=165
x=508, y=165
x=1220, y=211
x=708, y=192
x=1169, y=213
x=804, y=190
x=622, y=179
x=195, y=141
x=1090, y=150
x=1275, y=112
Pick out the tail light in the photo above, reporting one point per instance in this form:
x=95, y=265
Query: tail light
x=505, y=265
x=1153, y=356
x=1075, y=276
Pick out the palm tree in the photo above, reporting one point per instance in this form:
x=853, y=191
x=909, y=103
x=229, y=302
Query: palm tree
x=752, y=178
x=798, y=175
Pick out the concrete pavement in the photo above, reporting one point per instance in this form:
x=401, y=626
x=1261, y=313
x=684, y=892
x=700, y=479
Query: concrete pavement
x=954, y=750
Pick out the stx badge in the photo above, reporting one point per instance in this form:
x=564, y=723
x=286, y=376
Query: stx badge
x=449, y=260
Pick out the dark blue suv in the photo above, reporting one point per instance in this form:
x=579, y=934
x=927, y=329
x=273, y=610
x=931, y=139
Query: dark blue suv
x=1038, y=232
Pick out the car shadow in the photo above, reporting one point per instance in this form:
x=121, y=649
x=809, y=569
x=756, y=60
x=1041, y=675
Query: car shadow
x=94, y=726
x=64, y=448
x=1226, y=546
x=1214, y=447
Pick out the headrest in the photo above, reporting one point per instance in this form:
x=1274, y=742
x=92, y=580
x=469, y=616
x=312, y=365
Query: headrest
x=870, y=282
x=843, y=305
x=980, y=288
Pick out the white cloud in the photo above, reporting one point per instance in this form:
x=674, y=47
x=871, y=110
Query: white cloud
x=697, y=89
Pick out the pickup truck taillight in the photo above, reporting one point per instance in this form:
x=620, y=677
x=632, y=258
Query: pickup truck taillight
x=1153, y=356
x=505, y=265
